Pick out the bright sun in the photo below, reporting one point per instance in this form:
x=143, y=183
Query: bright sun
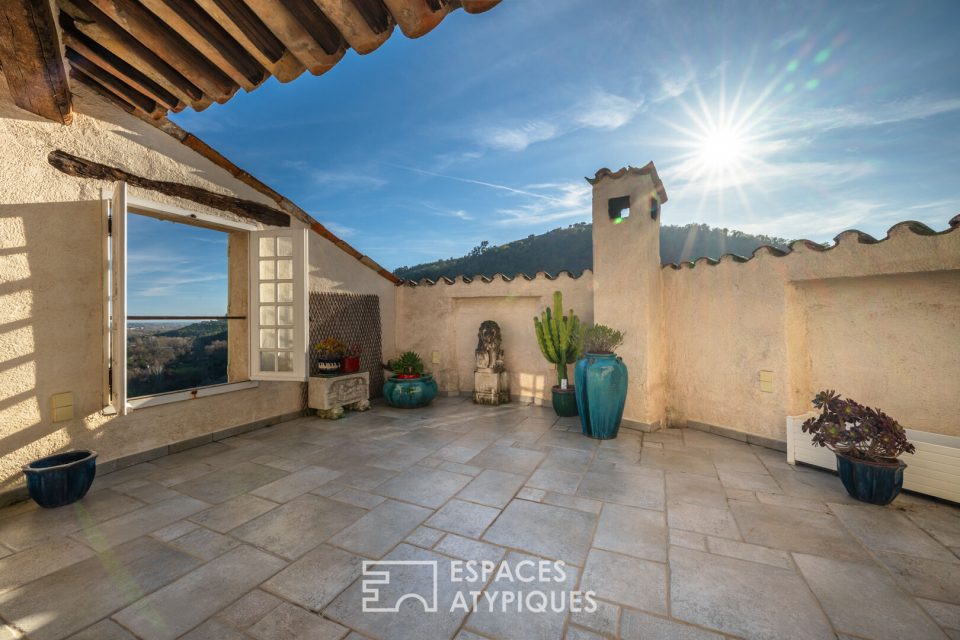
x=721, y=149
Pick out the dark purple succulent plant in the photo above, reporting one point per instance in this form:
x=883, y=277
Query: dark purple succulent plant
x=852, y=429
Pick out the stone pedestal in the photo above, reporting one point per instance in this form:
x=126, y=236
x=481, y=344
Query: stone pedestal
x=330, y=395
x=491, y=387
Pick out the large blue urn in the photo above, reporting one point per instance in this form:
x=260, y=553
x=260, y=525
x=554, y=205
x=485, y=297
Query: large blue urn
x=601, y=386
x=408, y=393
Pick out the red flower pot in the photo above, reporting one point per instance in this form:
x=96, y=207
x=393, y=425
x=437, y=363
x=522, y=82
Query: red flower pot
x=350, y=364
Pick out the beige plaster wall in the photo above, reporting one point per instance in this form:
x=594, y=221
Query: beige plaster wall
x=444, y=318
x=52, y=264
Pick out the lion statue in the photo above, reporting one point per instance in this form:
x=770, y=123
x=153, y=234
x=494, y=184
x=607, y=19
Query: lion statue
x=489, y=353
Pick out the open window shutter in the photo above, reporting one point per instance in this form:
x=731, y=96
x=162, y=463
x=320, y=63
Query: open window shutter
x=278, y=304
x=118, y=307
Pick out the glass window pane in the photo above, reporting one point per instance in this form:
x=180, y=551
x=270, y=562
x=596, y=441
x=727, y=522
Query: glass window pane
x=284, y=292
x=284, y=246
x=285, y=269
x=268, y=315
x=268, y=361
x=268, y=338
x=285, y=315
x=266, y=247
x=285, y=338
x=267, y=269
x=285, y=361
x=267, y=292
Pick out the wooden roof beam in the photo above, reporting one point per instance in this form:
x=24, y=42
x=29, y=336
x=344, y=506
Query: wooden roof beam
x=31, y=61
x=351, y=19
x=115, y=85
x=416, y=17
x=318, y=56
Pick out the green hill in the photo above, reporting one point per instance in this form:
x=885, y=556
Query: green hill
x=571, y=249
x=191, y=356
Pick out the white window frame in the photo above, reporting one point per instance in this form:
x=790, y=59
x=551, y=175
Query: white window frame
x=120, y=205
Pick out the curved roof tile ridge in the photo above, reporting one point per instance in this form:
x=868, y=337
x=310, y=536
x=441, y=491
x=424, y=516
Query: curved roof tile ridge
x=646, y=170
x=913, y=226
x=424, y=282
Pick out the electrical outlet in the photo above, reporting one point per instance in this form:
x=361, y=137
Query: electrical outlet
x=766, y=381
x=62, y=405
x=435, y=357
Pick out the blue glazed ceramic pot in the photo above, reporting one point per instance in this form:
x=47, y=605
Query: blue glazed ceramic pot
x=872, y=482
x=409, y=393
x=60, y=479
x=601, y=386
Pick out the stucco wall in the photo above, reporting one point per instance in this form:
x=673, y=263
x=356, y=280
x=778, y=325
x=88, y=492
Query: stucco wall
x=444, y=318
x=52, y=264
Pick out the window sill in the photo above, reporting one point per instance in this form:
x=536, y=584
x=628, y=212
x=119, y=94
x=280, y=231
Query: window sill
x=190, y=394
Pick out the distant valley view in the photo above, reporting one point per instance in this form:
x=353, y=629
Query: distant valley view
x=172, y=356
x=571, y=249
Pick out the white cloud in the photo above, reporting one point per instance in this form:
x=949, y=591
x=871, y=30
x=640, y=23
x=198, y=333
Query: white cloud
x=606, y=111
x=568, y=201
x=517, y=138
x=346, y=180
x=915, y=108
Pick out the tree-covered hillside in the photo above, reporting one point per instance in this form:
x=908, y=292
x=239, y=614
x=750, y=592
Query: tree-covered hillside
x=170, y=360
x=571, y=249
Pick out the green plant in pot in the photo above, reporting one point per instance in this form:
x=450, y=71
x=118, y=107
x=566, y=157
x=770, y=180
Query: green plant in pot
x=601, y=381
x=409, y=387
x=558, y=336
x=867, y=443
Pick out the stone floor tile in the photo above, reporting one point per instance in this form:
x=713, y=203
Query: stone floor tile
x=506, y=623
x=569, y=460
x=317, y=578
x=863, y=600
x=533, y=527
x=692, y=488
x=103, y=630
x=467, y=549
x=587, y=505
x=214, y=629
x=636, y=625
x=410, y=622
x=643, y=489
x=466, y=518
x=796, y=530
x=137, y=523
x=250, y=608
x=533, y=495
x=424, y=537
x=357, y=497
x=940, y=521
x=946, y=615
x=746, y=551
x=885, y=529
x=401, y=457
x=923, y=577
x=145, y=491
x=567, y=440
x=41, y=560
x=629, y=581
x=90, y=590
x=422, y=486
x=743, y=598
x=278, y=462
x=381, y=529
x=668, y=460
x=749, y=481
x=738, y=461
x=465, y=469
x=288, y=622
x=492, y=488
x=509, y=459
x=186, y=602
x=574, y=632
x=556, y=481
x=297, y=483
x=175, y=530
x=688, y=539
x=631, y=531
x=303, y=523
x=793, y=502
x=705, y=520
x=229, y=482
x=365, y=477
x=741, y=494
x=204, y=543
x=604, y=619
x=233, y=513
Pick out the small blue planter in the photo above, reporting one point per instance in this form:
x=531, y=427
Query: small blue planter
x=869, y=481
x=601, y=386
x=409, y=393
x=60, y=479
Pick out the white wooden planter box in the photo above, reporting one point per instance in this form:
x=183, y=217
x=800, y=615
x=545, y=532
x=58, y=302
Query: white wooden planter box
x=933, y=470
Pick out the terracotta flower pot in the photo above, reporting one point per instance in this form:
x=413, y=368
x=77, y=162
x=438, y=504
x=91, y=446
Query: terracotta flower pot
x=350, y=364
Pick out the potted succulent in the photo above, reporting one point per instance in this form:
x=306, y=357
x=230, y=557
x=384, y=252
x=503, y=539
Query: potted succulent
x=58, y=480
x=601, y=385
x=867, y=443
x=558, y=336
x=329, y=353
x=350, y=363
x=409, y=387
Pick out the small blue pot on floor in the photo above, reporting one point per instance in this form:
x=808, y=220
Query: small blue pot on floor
x=60, y=479
x=601, y=386
x=410, y=393
x=873, y=482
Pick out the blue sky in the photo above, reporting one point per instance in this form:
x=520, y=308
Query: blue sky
x=790, y=119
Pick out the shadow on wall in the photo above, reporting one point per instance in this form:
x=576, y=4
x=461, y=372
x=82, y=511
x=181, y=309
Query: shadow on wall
x=51, y=340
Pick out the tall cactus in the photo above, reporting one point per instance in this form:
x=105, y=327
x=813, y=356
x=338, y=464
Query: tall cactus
x=558, y=336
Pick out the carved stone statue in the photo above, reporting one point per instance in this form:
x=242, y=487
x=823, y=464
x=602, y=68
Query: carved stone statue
x=491, y=384
x=489, y=351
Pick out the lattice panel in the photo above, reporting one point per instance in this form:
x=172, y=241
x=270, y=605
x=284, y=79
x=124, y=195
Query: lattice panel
x=355, y=319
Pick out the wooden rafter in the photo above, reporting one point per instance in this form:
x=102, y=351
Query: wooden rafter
x=31, y=61
x=82, y=168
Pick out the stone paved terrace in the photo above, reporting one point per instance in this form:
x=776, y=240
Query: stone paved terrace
x=682, y=534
